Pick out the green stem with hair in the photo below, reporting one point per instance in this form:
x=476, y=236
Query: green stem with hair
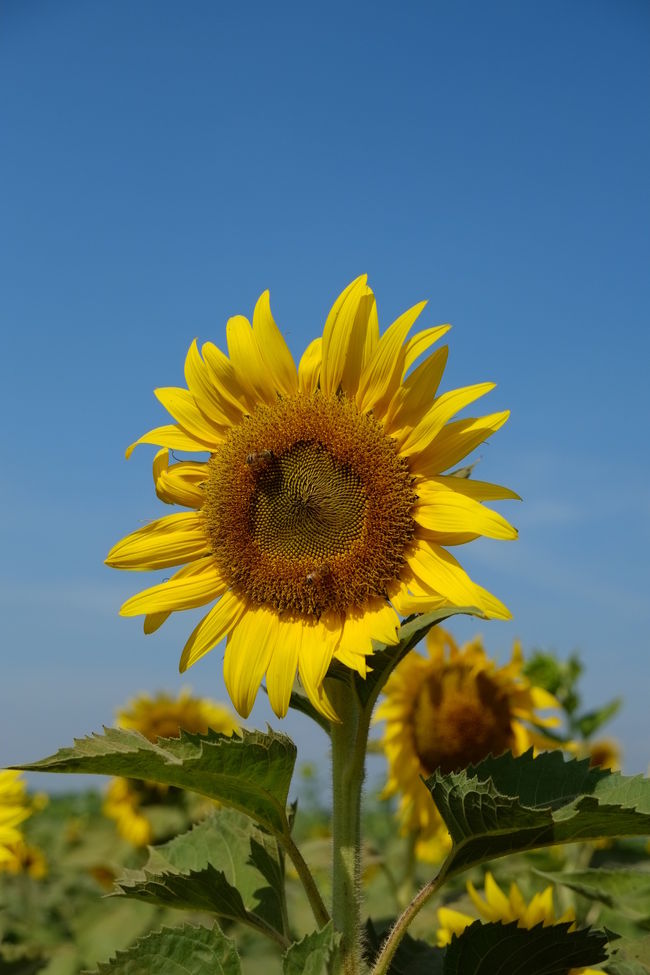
x=349, y=742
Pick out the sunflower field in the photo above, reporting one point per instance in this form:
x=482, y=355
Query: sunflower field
x=321, y=505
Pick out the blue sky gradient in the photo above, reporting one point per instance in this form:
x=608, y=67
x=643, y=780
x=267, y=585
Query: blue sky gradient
x=163, y=163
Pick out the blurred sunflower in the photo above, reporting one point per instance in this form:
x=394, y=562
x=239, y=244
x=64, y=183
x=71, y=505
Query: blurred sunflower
x=496, y=906
x=130, y=801
x=449, y=710
x=604, y=753
x=322, y=510
x=25, y=858
x=14, y=809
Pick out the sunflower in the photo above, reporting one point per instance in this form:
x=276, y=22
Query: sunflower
x=14, y=809
x=449, y=710
x=129, y=801
x=495, y=906
x=322, y=510
x=25, y=858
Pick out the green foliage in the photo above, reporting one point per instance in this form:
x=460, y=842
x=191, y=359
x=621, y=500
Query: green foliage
x=177, y=951
x=630, y=958
x=226, y=866
x=413, y=957
x=311, y=955
x=252, y=772
x=509, y=805
x=484, y=949
x=622, y=888
x=20, y=963
x=561, y=678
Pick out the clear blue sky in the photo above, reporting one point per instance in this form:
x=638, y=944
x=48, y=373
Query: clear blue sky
x=164, y=162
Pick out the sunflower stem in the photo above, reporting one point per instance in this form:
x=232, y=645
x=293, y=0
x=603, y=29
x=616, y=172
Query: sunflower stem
x=391, y=944
x=349, y=742
x=320, y=912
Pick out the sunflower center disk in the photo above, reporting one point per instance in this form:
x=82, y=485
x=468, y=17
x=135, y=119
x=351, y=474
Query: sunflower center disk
x=306, y=504
x=459, y=720
x=308, y=507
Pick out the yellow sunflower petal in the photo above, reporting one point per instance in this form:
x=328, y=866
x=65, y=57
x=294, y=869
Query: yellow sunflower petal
x=443, y=409
x=247, y=361
x=451, y=922
x=418, y=344
x=479, y=490
x=446, y=510
x=206, y=392
x=310, y=365
x=162, y=543
x=344, y=334
x=381, y=377
x=248, y=654
x=169, y=436
x=439, y=569
x=153, y=622
x=212, y=628
x=222, y=375
x=274, y=349
x=319, y=642
x=455, y=441
x=413, y=398
x=180, y=483
x=185, y=592
x=282, y=669
x=180, y=404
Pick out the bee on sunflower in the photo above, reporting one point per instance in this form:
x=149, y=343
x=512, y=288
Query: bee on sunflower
x=324, y=510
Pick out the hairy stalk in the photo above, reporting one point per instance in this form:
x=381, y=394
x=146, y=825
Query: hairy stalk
x=391, y=944
x=349, y=742
x=321, y=914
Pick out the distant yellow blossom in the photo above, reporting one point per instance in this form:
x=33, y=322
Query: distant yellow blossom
x=162, y=716
x=14, y=809
x=496, y=906
x=447, y=710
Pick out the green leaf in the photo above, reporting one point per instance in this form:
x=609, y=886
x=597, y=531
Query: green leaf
x=251, y=772
x=589, y=723
x=413, y=957
x=21, y=964
x=487, y=949
x=621, y=888
x=312, y=955
x=630, y=957
x=386, y=658
x=225, y=865
x=187, y=950
x=507, y=805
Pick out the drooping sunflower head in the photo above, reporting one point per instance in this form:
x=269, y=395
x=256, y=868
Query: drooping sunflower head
x=321, y=508
x=127, y=801
x=450, y=709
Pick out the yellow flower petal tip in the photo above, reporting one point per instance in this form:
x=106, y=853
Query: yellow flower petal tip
x=304, y=503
